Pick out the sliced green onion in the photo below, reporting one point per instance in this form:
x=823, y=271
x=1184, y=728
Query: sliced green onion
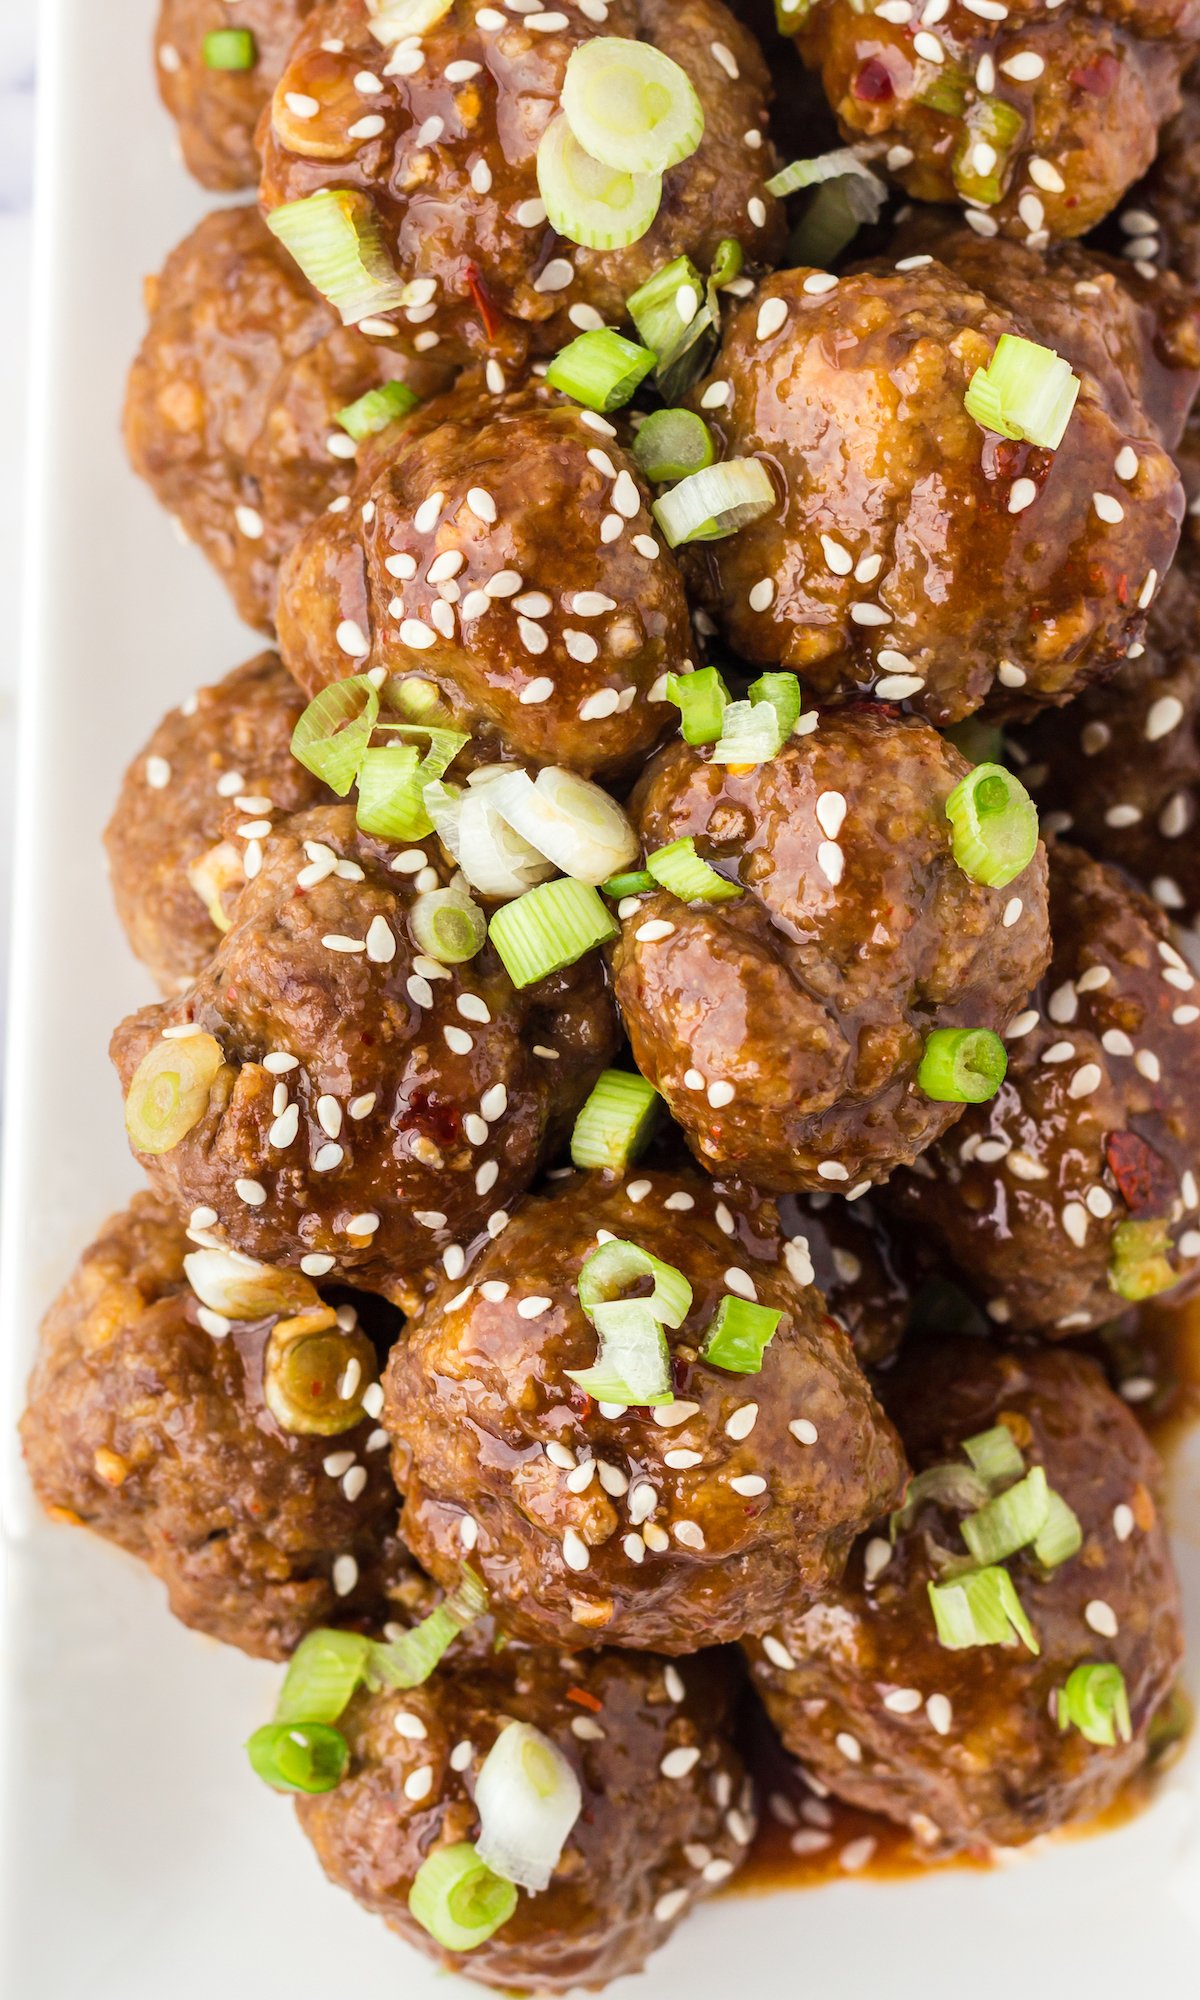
x=665, y=306
x=714, y=503
x=1095, y=1701
x=337, y=240
x=600, y=369
x=377, y=409
x=408, y=1660
x=750, y=734
x=1061, y=1536
x=633, y=1366
x=573, y=822
x=738, y=1334
x=831, y=166
x=307, y=1361
x=458, y=1899
x=979, y=162
x=299, y=1756
x=727, y=263
x=944, y=90
x=672, y=444
x=701, y=698
x=783, y=693
x=597, y=206
x=790, y=15
x=636, y=883
x=413, y=697
x=241, y=1288
x=994, y=825
x=322, y=1674
x=847, y=196
x=616, y=1265
x=169, y=1090
x=980, y=1609
x=390, y=801
x=962, y=1065
x=1026, y=391
x=1139, y=1264
x=680, y=869
x=528, y=1799
x=333, y=734
x=448, y=924
x=1010, y=1521
x=615, y=1123
x=549, y=927
x=630, y=106
x=994, y=1454
x=493, y=858
x=230, y=48
x=954, y=1486
x=397, y=20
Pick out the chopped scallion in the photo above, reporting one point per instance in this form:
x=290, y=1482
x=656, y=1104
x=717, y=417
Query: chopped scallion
x=615, y=1123
x=333, y=734
x=548, y=928
x=458, y=1899
x=230, y=48
x=680, y=869
x=390, y=786
x=528, y=1799
x=322, y=1674
x=672, y=444
x=600, y=369
x=633, y=1365
x=169, y=1090
x=1010, y=1520
x=955, y=1486
x=448, y=924
x=714, y=503
x=1026, y=391
x=994, y=1454
x=825, y=167
x=783, y=693
x=980, y=1608
x=962, y=1065
x=299, y=1756
x=573, y=822
x=1095, y=1701
x=337, y=240
x=979, y=162
x=630, y=106
x=750, y=734
x=738, y=1334
x=1139, y=1260
x=618, y=1264
x=377, y=409
x=994, y=825
x=635, y=883
x=602, y=208
x=1061, y=1535
x=701, y=698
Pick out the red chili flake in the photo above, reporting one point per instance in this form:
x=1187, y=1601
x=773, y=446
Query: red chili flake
x=1146, y=1182
x=482, y=300
x=584, y=1699
x=434, y=1115
x=1098, y=76
x=874, y=82
x=680, y=1371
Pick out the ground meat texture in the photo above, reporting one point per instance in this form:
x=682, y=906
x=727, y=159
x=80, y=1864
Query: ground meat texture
x=450, y=161
x=505, y=551
x=216, y=110
x=1091, y=87
x=1096, y=1124
x=785, y=1028
x=373, y=1107
x=855, y=1267
x=675, y=1528
x=194, y=808
x=963, y=1745
x=147, y=1428
x=667, y=1808
x=912, y=552
x=231, y=404
x=1158, y=227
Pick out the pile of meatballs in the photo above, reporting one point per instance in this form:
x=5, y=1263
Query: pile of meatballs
x=320, y=1375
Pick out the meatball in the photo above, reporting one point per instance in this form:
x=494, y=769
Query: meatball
x=215, y=108
x=1075, y=1188
x=855, y=1267
x=1036, y=125
x=356, y=1107
x=667, y=1811
x=193, y=809
x=148, y=1421
x=1159, y=226
x=450, y=162
x=232, y=401
x=914, y=553
x=965, y=1744
x=674, y=1528
x=785, y=1028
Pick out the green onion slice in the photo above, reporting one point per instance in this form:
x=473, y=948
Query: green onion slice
x=833, y=166
x=994, y=1454
x=548, y=928
x=1139, y=1261
x=333, y=734
x=408, y=1660
x=979, y=162
x=448, y=924
x=1026, y=391
x=618, y=1264
x=633, y=1366
x=738, y=1334
x=390, y=800
x=680, y=869
x=1095, y=1702
x=714, y=503
x=635, y=883
x=848, y=195
x=377, y=409
x=666, y=305
x=299, y=1756
x=600, y=369
x=993, y=825
x=750, y=734
x=337, y=240
x=945, y=91
x=322, y=1674
x=1010, y=1521
x=630, y=106
x=953, y=1486
x=980, y=1608
x=701, y=698
x=790, y=15
x=1061, y=1536
x=783, y=693
x=672, y=444
x=574, y=823
x=962, y=1065
x=169, y=1090
x=615, y=1123
x=230, y=48
x=458, y=1899
x=528, y=1799
x=600, y=207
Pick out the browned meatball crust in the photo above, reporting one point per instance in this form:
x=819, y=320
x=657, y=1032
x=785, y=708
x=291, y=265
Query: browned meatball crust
x=450, y=161
x=674, y=1528
x=149, y=1428
x=231, y=404
x=1089, y=85
x=667, y=1808
x=1158, y=227
x=964, y=1744
x=505, y=551
x=913, y=553
x=785, y=1028
x=373, y=1107
x=1096, y=1125
x=216, y=110
x=193, y=810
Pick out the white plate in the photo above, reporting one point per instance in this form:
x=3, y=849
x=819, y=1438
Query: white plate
x=140, y=1857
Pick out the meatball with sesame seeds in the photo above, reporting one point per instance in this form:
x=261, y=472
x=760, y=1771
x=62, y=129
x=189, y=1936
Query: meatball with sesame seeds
x=503, y=551
x=449, y=160
x=674, y=1527
x=1075, y=1190
x=666, y=1810
x=173, y=1430
x=217, y=65
x=347, y=1103
x=194, y=808
x=912, y=553
x=974, y=1744
x=785, y=1027
x=855, y=1266
x=1158, y=227
x=232, y=402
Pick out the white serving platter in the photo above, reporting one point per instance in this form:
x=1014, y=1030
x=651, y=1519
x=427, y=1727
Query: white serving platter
x=140, y=1858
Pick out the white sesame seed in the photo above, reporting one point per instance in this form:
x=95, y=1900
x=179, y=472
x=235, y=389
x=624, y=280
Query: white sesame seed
x=1101, y=1618
x=575, y=1550
x=849, y=1746
x=1085, y=1080
x=345, y=1575
x=1024, y=492
x=803, y=1431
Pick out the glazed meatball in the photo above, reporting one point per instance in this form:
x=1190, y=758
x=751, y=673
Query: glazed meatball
x=1159, y=226
x=1037, y=125
x=148, y=1421
x=965, y=1745
x=666, y=1813
x=193, y=809
x=785, y=1028
x=855, y=1267
x=1075, y=1188
x=217, y=108
x=676, y=1527
x=358, y=1107
x=231, y=404
x=504, y=551
x=456, y=117
x=914, y=553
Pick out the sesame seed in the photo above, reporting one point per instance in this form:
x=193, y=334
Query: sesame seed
x=575, y=1550
x=742, y=1422
x=670, y=1906
x=1024, y=492
x=803, y=1431
x=849, y=1746
x=352, y=640
x=1101, y=1618
x=688, y=1533
x=678, y=1763
x=253, y=1193
x=1085, y=1081
x=1123, y=1521
x=345, y=1575
x=458, y=1041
